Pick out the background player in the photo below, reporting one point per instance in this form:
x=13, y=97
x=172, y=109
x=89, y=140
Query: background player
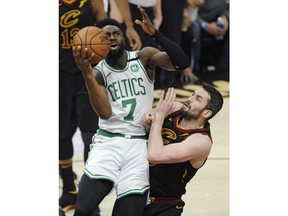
x=74, y=106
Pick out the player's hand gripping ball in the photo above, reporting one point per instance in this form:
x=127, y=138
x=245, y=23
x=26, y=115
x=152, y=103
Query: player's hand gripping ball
x=95, y=40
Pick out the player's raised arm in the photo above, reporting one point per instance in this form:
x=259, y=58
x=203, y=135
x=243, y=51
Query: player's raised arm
x=97, y=92
x=177, y=56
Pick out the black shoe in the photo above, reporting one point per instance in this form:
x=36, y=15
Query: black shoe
x=67, y=201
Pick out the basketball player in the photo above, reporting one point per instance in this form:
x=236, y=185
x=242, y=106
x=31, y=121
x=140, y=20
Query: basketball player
x=121, y=91
x=178, y=146
x=74, y=106
x=75, y=109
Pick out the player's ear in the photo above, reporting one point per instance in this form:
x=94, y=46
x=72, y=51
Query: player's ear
x=207, y=113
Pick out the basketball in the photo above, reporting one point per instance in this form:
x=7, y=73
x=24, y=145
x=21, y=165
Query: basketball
x=95, y=40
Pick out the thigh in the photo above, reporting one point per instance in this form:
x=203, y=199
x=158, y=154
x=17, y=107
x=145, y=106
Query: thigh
x=105, y=158
x=130, y=205
x=91, y=193
x=134, y=175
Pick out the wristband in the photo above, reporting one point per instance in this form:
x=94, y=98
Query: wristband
x=156, y=34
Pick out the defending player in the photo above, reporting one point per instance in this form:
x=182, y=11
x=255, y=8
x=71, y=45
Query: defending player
x=179, y=144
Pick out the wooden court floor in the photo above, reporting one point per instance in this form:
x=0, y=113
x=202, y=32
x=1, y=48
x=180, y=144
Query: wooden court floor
x=208, y=192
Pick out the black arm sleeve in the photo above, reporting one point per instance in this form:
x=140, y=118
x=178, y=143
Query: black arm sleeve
x=178, y=57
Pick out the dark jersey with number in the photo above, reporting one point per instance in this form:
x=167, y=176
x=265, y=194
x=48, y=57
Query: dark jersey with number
x=169, y=180
x=73, y=16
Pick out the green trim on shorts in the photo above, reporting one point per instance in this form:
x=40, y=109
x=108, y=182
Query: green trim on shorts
x=101, y=177
x=134, y=191
x=111, y=135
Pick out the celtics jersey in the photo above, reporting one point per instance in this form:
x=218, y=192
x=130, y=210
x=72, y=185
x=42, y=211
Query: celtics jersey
x=130, y=93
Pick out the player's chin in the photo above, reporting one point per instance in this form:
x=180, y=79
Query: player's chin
x=113, y=54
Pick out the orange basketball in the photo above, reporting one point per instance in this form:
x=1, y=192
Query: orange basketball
x=95, y=40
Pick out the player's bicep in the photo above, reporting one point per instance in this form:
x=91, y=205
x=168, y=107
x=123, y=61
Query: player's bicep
x=194, y=147
x=162, y=60
x=99, y=77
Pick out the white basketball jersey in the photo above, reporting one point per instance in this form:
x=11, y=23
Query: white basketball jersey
x=130, y=93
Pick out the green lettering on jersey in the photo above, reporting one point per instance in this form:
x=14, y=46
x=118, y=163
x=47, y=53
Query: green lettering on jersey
x=127, y=88
x=132, y=102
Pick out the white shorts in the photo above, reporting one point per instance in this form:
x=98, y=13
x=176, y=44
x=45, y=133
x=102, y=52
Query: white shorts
x=120, y=160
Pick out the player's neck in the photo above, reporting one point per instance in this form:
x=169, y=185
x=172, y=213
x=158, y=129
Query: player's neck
x=118, y=63
x=190, y=124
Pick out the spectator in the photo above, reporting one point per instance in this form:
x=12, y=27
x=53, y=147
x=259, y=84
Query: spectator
x=153, y=10
x=171, y=27
x=132, y=36
x=191, y=38
x=214, y=39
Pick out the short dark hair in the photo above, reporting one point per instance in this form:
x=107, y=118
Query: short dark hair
x=216, y=99
x=108, y=21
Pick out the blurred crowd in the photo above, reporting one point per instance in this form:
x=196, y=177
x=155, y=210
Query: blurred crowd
x=201, y=27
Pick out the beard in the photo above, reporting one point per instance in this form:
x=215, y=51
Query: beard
x=190, y=115
x=116, y=54
x=186, y=114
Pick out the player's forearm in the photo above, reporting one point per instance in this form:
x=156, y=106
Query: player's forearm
x=157, y=14
x=98, y=7
x=124, y=9
x=98, y=98
x=178, y=57
x=155, y=142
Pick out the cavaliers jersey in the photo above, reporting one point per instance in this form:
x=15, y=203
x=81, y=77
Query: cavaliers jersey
x=130, y=92
x=169, y=180
x=73, y=16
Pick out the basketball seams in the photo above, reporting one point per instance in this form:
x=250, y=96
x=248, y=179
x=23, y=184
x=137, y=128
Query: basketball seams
x=80, y=42
x=91, y=39
x=97, y=43
x=96, y=52
x=86, y=37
